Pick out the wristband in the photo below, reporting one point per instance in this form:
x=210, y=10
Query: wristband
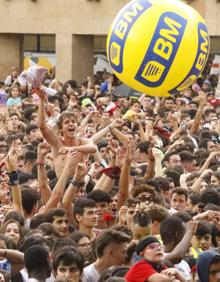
x=13, y=178
x=112, y=172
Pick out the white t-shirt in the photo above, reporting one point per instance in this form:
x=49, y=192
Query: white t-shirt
x=183, y=268
x=90, y=274
x=24, y=275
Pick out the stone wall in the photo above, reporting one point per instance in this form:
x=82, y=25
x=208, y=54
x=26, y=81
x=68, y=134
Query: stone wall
x=74, y=22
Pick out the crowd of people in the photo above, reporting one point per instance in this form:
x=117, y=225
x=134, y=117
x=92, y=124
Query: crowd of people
x=98, y=185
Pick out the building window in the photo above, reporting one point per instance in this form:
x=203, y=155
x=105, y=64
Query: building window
x=40, y=43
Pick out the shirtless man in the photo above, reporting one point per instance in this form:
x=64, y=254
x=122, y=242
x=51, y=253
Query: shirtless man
x=69, y=141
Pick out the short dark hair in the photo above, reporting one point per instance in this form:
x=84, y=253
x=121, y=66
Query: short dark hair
x=109, y=237
x=14, y=114
x=173, y=174
x=55, y=212
x=141, y=218
x=180, y=191
x=161, y=184
x=215, y=259
x=30, y=156
x=169, y=227
x=115, y=273
x=143, y=146
x=158, y=213
x=203, y=144
x=203, y=228
x=99, y=196
x=81, y=204
x=194, y=197
x=122, y=228
x=63, y=243
x=184, y=216
x=37, y=220
x=67, y=256
x=30, y=197
x=131, y=202
x=187, y=156
x=36, y=258
x=143, y=188
x=168, y=155
x=48, y=229
x=210, y=196
x=30, y=127
x=31, y=241
x=76, y=236
x=209, y=111
x=25, y=177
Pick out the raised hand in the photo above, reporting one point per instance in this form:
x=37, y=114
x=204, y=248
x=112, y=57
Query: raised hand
x=41, y=93
x=81, y=171
x=122, y=215
x=113, y=146
x=132, y=152
x=117, y=123
x=191, y=226
x=11, y=162
x=42, y=150
x=120, y=156
x=206, y=172
x=202, y=98
x=157, y=154
x=94, y=169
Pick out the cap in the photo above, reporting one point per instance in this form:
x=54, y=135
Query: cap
x=86, y=102
x=146, y=242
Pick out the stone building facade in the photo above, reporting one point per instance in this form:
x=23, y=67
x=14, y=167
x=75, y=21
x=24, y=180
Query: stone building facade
x=75, y=24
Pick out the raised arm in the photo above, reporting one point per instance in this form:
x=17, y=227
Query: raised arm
x=42, y=174
x=120, y=136
x=87, y=147
x=100, y=134
x=123, y=194
x=58, y=191
x=211, y=157
x=182, y=248
x=47, y=132
x=198, y=117
x=109, y=128
x=197, y=184
x=13, y=179
x=158, y=156
x=76, y=183
x=15, y=257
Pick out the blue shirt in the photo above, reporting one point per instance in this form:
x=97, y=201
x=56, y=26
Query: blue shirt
x=13, y=101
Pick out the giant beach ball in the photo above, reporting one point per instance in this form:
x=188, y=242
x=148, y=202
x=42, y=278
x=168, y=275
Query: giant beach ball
x=158, y=47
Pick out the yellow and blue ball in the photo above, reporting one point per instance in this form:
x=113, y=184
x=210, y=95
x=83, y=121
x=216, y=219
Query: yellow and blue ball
x=158, y=47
